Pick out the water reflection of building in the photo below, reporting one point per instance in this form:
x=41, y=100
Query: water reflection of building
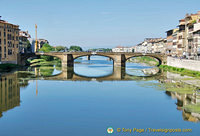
x=184, y=100
x=9, y=92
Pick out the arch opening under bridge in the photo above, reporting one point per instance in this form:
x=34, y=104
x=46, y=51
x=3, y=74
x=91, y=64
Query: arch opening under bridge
x=97, y=66
x=150, y=56
x=96, y=55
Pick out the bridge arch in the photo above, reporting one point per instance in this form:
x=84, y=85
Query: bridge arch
x=78, y=56
x=22, y=58
x=160, y=60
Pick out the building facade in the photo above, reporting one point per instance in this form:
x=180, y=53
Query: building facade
x=159, y=46
x=196, y=39
x=151, y=45
x=9, y=42
x=24, y=44
x=40, y=43
x=185, y=41
x=123, y=49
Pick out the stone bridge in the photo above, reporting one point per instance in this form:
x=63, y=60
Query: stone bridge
x=119, y=58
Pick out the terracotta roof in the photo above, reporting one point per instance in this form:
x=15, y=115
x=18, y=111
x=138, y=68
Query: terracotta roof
x=181, y=20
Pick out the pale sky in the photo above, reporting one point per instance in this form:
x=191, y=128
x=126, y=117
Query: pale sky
x=97, y=23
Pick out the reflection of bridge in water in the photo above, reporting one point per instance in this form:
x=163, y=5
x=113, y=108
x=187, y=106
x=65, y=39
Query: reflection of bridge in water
x=118, y=74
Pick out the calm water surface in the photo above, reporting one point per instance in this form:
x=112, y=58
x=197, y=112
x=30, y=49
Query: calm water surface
x=68, y=107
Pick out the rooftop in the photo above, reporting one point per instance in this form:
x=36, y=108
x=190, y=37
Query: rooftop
x=5, y=22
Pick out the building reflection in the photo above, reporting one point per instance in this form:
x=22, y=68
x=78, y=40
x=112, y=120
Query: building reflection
x=9, y=92
x=185, y=100
x=187, y=95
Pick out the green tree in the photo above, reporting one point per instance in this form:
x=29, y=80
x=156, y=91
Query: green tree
x=60, y=48
x=47, y=48
x=101, y=49
x=75, y=48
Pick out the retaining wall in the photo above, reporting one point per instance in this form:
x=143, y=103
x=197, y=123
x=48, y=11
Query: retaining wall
x=184, y=63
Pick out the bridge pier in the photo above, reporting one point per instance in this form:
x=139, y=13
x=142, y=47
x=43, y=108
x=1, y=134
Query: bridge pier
x=119, y=61
x=67, y=60
x=88, y=57
x=67, y=73
x=119, y=72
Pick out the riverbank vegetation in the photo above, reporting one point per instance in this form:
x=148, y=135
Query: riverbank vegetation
x=179, y=87
x=47, y=48
x=144, y=59
x=181, y=71
x=50, y=60
x=43, y=62
x=47, y=60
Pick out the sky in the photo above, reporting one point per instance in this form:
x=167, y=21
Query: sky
x=97, y=23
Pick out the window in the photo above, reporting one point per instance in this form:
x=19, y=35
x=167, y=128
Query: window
x=179, y=46
x=9, y=52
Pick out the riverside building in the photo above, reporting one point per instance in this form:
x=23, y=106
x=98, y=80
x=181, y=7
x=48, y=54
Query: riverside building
x=9, y=42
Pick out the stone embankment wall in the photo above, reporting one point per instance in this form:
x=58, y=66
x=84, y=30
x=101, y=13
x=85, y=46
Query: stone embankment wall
x=183, y=63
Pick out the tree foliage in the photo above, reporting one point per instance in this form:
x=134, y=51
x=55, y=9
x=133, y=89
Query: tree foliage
x=101, y=49
x=75, y=48
x=60, y=48
x=47, y=48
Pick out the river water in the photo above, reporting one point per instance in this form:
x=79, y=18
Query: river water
x=85, y=101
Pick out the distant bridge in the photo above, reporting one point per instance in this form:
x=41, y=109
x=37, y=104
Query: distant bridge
x=119, y=58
